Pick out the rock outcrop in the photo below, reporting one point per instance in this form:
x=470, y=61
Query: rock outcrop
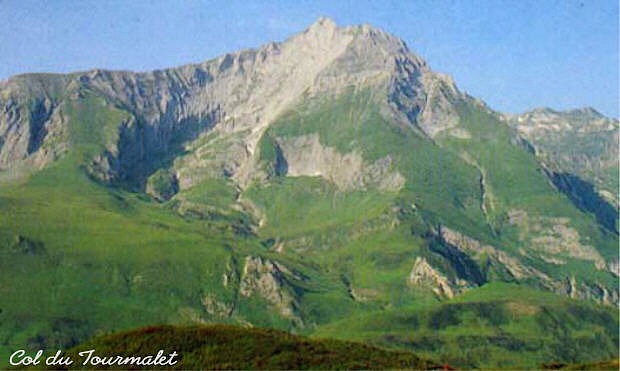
x=423, y=274
x=554, y=237
x=581, y=142
x=546, y=249
x=268, y=280
x=217, y=308
x=305, y=155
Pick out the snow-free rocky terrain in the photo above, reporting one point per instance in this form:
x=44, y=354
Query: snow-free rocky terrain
x=331, y=185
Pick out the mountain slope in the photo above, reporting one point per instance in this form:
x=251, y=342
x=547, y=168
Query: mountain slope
x=291, y=186
x=228, y=347
x=582, y=142
x=490, y=329
x=579, y=150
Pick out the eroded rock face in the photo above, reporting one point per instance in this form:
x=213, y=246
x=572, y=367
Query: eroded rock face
x=217, y=308
x=522, y=271
x=32, y=131
x=204, y=121
x=477, y=250
x=614, y=267
x=306, y=156
x=162, y=185
x=439, y=113
x=555, y=237
x=267, y=279
x=237, y=96
x=589, y=291
x=581, y=142
x=423, y=274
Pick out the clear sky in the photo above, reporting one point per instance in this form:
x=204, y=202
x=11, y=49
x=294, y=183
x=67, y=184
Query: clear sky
x=514, y=54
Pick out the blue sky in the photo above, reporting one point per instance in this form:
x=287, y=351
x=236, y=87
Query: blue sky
x=515, y=55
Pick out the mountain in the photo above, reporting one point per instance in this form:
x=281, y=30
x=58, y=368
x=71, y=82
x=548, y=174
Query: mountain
x=581, y=142
x=580, y=149
x=330, y=176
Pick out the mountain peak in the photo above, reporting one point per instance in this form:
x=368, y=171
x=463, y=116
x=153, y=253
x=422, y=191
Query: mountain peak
x=323, y=26
x=364, y=33
x=324, y=22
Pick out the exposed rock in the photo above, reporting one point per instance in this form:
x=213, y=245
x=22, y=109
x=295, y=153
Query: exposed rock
x=268, y=280
x=595, y=291
x=439, y=113
x=487, y=202
x=237, y=96
x=217, y=308
x=477, y=249
x=614, y=267
x=423, y=274
x=169, y=130
x=554, y=236
x=459, y=133
x=306, y=156
x=552, y=260
x=580, y=142
x=381, y=175
x=32, y=133
x=522, y=271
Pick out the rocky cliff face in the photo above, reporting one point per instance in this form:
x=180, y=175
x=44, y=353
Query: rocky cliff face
x=347, y=171
x=486, y=257
x=237, y=96
x=32, y=129
x=581, y=142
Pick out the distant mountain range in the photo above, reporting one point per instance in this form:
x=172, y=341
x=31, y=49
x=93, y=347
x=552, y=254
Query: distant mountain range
x=330, y=185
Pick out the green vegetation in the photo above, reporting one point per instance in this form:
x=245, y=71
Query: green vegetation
x=306, y=204
x=605, y=365
x=490, y=329
x=162, y=185
x=79, y=258
x=234, y=348
x=93, y=124
x=514, y=181
x=438, y=180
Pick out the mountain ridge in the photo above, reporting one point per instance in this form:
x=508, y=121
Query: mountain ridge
x=331, y=175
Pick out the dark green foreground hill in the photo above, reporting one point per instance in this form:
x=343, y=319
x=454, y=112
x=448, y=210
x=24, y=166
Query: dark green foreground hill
x=237, y=348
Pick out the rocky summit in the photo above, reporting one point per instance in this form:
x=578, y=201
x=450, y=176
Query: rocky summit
x=331, y=184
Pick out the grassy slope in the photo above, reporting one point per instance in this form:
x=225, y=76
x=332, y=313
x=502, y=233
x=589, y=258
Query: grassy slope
x=104, y=260
x=488, y=328
x=515, y=182
x=228, y=347
x=77, y=258
x=375, y=261
x=443, y=186
x=352, y=233
x=438, y=180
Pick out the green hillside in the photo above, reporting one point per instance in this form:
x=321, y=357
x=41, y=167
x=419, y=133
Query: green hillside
x=234, y=348
x=489, y=328
x=457, y=247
